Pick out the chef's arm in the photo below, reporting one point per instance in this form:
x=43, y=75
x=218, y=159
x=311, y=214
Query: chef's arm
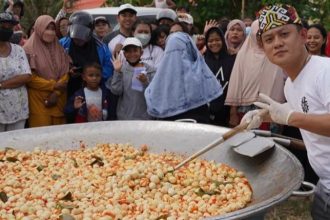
x=318, y=124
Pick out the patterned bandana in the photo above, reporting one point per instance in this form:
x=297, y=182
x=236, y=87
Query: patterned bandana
x=273, y=16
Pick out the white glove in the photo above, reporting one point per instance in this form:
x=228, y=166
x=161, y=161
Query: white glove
x=280, y=113
x=253, y=119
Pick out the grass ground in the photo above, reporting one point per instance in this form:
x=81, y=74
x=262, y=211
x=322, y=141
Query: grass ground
x=295, y=208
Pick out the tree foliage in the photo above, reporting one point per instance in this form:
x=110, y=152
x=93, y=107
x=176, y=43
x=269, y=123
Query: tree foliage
x=202, y=10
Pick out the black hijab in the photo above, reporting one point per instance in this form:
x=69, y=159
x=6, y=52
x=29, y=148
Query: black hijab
x=219, y=112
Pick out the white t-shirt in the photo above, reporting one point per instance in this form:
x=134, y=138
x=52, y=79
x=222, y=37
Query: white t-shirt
x=14, y=102
x=161, y=4
x=310, y=93
x=93, y=100
x=152, y=55
x=119, y=39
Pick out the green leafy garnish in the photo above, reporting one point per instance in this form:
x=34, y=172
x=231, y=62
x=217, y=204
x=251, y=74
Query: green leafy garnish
x=12, y=159
x=201, y=192
x=67, y=197
x=162, y=217
x=130, y=157
x=66, y=217
x=40, y=168
x=3, y=197
x=98, y=161
x=75, y=164
x=64, y=206
x=56, y=176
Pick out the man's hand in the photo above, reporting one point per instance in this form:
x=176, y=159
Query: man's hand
x=280, y=113
x=253, y=118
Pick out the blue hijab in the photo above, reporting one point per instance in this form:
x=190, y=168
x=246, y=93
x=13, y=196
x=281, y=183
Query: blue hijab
x=182, y=82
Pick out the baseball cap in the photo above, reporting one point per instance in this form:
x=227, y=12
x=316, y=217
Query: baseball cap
x=101, y=18
x=126, y=7
x=277, y=15
x=8, y=17
x=166, y=13
x=186, y=18
x=132, y=41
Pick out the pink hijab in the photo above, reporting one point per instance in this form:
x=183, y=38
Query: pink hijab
x=48, y=61
x=230, y=46
x=253, y=73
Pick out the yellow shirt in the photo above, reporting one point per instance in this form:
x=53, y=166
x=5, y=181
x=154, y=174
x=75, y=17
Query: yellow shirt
x=38, y=91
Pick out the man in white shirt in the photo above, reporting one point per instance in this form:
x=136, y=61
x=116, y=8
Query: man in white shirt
x=307, y=91
x=126, y=19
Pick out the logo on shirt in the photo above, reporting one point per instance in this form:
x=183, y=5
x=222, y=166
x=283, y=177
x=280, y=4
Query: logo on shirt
x=304, y=105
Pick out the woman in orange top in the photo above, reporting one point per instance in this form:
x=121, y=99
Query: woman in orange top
x=50, y=66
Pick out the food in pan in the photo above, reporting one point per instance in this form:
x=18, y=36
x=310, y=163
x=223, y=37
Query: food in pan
x=115, y=181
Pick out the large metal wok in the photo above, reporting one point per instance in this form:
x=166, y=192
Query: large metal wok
x=273, y=175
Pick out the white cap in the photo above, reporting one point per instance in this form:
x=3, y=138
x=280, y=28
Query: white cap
x=101, y=18
x=185, y=17
x=127, y=7
x=132, y=41
x=166, y=13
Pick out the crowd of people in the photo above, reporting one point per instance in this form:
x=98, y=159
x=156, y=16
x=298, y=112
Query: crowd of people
x=75, y=69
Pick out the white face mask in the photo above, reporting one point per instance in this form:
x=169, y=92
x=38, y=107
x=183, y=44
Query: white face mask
x=144, y=38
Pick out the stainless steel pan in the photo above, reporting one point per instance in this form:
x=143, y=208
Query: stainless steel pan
x=273, y=175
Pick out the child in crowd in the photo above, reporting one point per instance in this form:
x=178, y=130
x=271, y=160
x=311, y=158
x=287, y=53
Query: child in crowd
x=92, y=102
x=130, y=80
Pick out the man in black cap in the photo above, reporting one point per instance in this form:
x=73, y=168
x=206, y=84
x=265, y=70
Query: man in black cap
x=101, y=27
x=83, y=48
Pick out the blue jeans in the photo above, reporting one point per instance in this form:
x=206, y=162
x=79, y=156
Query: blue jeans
x=321, y=204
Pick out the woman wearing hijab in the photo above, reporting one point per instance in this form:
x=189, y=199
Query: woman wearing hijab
x=221, y=64
x=50, y=66
x=14, y=74
x=235, y=36
x=252, y=73
x=183, y=83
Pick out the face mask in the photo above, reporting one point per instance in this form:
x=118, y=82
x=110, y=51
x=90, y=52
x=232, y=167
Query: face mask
x=48, y=36
x=5, y=34
x=144, y=38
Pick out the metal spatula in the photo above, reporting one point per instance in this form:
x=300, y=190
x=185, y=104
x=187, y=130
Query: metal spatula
x=226, y=136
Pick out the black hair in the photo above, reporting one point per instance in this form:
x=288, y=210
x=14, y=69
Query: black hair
x=140, y=21
x=92, y=64
x=186, y=8
x=157, y=32
x=323, y=33
x=217, y=30
x=16, y=2
x=182, y=25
